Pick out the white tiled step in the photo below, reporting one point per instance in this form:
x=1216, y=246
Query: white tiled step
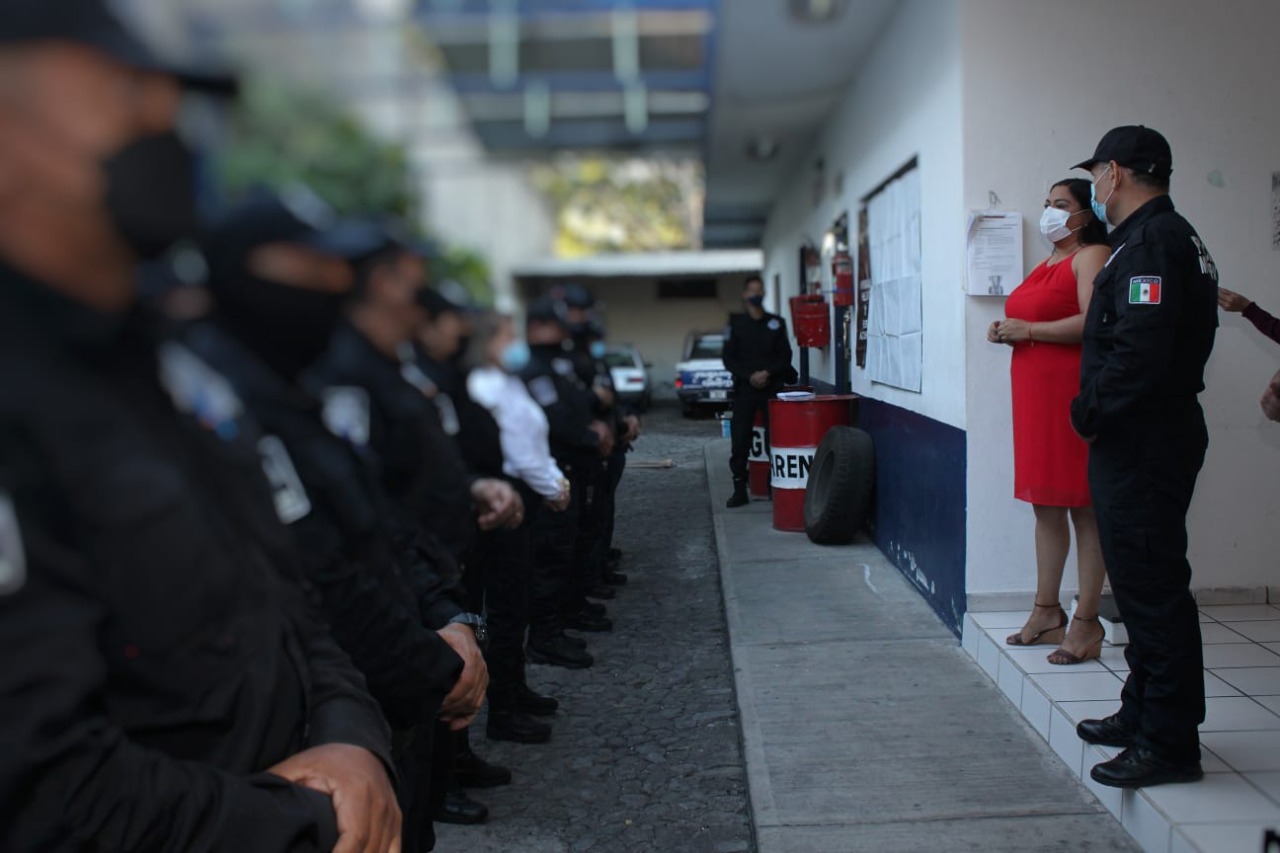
x=1239, y=798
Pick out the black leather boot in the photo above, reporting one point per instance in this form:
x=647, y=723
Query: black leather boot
x=517, y=727
x=529, y=701
x=558, y=651
x=739, y=496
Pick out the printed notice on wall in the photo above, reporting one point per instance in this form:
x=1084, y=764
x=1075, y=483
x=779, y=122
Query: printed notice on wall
x=993, y=252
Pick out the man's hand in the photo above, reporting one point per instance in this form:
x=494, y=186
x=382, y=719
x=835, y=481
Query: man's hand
x=601, y=429
x=561, y=501
x=357, y=783
x=1271, y=399
x=760, y=378
x=498, y=504
x=604, y=395
x=1229, y=300
x=633, y=428
x=467, y=696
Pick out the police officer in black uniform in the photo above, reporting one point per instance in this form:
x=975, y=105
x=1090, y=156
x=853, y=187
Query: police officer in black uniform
x=373, y=402
x=758, y=354
x=280, y=273
x=579, y=441
x=1148, y=333
x=164, y=685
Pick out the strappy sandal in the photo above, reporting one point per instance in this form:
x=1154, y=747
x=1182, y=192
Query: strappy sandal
x=1062, y=657
x=1048, y=636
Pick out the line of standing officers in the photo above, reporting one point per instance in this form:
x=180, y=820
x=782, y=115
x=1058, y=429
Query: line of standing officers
x=266, y=544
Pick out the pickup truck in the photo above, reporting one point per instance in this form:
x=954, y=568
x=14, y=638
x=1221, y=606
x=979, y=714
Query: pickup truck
x=701, y=378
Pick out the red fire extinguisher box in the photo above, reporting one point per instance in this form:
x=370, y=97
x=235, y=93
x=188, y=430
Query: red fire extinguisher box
x=811, y=320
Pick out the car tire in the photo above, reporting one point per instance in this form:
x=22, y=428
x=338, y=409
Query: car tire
x=837, y=499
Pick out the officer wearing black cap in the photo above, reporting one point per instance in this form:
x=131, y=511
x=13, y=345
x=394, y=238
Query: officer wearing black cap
x=758, y=354
x=375, y=403
x=1148, y=333
x=163, y=683
x=579, y=441
x=281, y=270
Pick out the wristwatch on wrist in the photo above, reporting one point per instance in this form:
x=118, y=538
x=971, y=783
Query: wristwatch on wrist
x=476, y=623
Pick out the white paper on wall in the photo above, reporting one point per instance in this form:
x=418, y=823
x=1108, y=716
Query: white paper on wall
x=894, y=333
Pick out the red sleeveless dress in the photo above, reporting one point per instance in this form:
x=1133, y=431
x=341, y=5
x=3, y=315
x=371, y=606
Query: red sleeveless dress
x=1050, y=461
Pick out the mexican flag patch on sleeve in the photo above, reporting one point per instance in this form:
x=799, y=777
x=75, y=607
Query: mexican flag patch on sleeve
x=1144, y=290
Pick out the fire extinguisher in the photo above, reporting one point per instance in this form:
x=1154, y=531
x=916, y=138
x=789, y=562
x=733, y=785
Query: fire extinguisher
x=842, y=270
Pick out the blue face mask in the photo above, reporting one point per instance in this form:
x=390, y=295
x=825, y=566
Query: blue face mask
x=757, y=301
x=1100, y=207
x=515, y=357
x=598, y=349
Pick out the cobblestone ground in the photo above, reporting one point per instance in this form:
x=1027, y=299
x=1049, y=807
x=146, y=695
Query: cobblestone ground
x=646, y=754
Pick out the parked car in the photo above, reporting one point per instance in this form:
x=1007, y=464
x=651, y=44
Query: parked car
x=630, y=374
x=701, y=379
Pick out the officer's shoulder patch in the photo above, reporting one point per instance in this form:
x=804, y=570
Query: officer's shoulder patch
x=292, y=503
x=543, y=389
x=1144, y=290
x=775, y=324
x=13, y=558
x=563, y=366
x=199, y=391
x=448, y=414
x=346, y=413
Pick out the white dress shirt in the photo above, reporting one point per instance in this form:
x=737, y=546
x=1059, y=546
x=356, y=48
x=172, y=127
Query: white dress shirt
x=526, y=453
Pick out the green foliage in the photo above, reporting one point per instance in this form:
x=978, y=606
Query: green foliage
x=609, y=205
x=280, y=136
x=469, y=268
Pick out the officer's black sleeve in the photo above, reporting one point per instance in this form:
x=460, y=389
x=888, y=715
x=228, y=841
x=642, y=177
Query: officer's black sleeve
x=1143, y=336
x=780, y=354
x=731, y=355
x=566, y=424
x=69, y=778
x=373, y=615
x=428, y=569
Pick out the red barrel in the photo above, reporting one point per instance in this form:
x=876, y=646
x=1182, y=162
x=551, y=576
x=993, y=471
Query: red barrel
x=796, y=428
x=758, y=459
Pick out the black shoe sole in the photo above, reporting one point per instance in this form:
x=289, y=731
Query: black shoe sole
x=459, y=820
x=1147, y=781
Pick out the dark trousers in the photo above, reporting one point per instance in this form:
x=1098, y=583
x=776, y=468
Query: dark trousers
x=1142, y=476
x=416, y=793
x=588, y=560
x=613, y=476
x=745, y=405
x=505, y=559
x=553, y=536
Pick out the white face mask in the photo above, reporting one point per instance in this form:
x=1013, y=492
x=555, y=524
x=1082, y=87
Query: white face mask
x=1053, y=224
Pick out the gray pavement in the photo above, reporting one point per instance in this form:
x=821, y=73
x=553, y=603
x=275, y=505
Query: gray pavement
x=865, y=725
x=646, y=753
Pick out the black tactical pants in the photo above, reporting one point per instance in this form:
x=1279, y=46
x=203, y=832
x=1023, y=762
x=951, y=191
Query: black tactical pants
x=1142, y=475
x=553, y=536
x=592, y=483
x=745, y=405
x=506, y=557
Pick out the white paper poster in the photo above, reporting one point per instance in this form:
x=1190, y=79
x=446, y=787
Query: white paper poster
x=993, y=252
x=895, y=353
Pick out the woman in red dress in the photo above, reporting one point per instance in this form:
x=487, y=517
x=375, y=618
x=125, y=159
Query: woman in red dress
x=1044, y=324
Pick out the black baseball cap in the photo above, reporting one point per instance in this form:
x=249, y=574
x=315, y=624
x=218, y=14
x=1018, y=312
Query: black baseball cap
x=1136, y=147
x=94, y=24
x=548, y=309
x=575, y=296
x=295, y=216
x=448, y=296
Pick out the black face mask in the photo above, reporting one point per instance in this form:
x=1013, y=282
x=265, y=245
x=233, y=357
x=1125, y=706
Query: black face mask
x=287, y=327
x=151, y=193
x=756, y=301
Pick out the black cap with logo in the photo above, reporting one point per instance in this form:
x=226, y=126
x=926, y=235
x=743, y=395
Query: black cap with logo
x=93, y=23
x=1136, y=147
x=548, y=309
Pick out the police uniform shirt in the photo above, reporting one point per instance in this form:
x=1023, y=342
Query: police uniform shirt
x=554, y=386
x=156, y=651
x=752, y=345
x=342, y=523
x=1151, y=323
x=368, y=402
x=523, y=426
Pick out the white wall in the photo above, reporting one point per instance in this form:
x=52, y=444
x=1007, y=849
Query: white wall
x=905, y=102
x=1042, y=82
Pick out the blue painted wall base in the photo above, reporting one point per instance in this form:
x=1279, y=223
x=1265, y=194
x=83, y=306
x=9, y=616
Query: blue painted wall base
x=918, y=520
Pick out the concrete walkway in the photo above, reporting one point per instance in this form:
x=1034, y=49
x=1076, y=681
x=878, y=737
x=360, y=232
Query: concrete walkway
x=865, y=725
